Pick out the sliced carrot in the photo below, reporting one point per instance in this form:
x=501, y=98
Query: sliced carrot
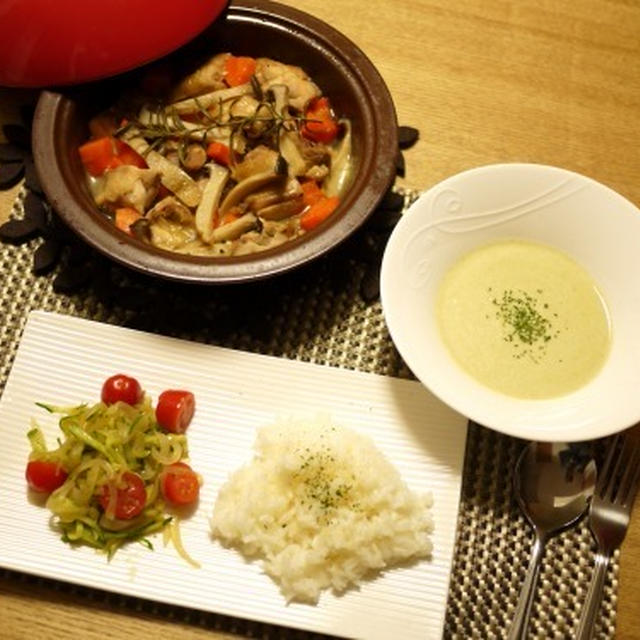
x=125, y=217
x=238, y=70
x=320, y=125
x=99, y=155
x=318, y=212
x=219, y=152
x=311, y=192
x=106, y=153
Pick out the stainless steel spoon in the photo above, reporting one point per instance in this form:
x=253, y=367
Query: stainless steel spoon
x=553, y=483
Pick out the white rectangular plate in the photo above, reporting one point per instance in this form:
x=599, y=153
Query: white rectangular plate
x=64, y=360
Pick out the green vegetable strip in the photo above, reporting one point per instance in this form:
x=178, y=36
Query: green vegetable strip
x=100, y=443
x=36, y=440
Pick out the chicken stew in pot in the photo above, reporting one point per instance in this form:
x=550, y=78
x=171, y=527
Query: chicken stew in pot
x=241, y=155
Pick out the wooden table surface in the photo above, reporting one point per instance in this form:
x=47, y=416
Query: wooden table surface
x=545, y=81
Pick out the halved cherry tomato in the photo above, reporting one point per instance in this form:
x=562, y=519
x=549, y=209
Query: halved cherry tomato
x=125, y=498
x=180, y=484
x=44, y=476
x=175, y=409
x=121, y=388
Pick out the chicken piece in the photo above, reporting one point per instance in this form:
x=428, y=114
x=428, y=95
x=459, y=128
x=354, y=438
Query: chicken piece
x=314, y=153
x=243, y=107
x=169, y=235
x=171, y=224
x=247, y=107
x=172, y=209
x=258, y=160
x=272, y=234
x=129, y=186
x=318, y=172
x=289, y=228
x=301, y=88
x=209, y=77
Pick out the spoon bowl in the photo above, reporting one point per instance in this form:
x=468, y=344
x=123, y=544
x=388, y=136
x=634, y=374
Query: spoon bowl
x=553, y=483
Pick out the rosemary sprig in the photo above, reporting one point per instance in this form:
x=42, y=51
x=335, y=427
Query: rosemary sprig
x=264, y=123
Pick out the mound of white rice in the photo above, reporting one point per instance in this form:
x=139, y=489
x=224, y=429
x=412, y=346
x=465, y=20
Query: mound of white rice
x=322, y=507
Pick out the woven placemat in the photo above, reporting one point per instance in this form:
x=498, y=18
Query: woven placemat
x=318, y=314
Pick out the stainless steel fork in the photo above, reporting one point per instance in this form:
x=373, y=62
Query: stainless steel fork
x=609, y=518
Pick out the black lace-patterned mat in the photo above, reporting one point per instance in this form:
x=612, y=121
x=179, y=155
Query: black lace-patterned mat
x=327, y=313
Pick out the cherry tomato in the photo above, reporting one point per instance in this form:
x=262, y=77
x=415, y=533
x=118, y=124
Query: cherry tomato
x=44, y=476
x=129, y=498
x=180, y=484
x=175, y=409
x=121, y=388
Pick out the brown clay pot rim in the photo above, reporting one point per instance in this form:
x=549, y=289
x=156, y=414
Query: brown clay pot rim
x=375, y=175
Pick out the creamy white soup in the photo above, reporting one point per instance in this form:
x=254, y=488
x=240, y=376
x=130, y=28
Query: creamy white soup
x=524, y=319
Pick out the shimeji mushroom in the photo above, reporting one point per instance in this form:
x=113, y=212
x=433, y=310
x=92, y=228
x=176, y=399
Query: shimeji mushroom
x=233, y=230
x=335, y=183
x=247, y=186
x=206, y=211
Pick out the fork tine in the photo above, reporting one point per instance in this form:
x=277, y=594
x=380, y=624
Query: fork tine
x=607, y=475
x=629, y=482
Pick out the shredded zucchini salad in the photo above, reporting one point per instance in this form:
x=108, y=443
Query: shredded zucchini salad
x=116, y=469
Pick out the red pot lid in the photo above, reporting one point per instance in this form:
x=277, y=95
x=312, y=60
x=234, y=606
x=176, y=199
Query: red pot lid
x=61, y=42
